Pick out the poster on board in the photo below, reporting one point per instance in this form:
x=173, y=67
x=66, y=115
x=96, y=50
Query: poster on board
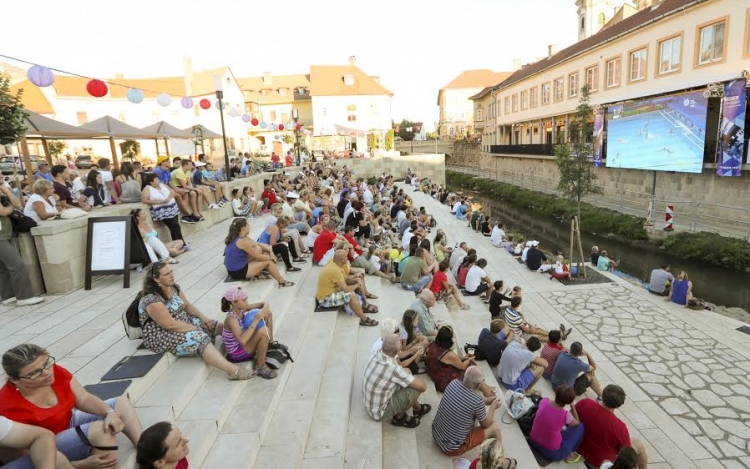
x=732, y=135
x=108, y=248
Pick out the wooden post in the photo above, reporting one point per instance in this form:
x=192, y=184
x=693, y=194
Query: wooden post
x=156, y=141
x=166, y=145
x=47, y=154
x=27, y=164
x=112, y=146
x=572, y=236
x=580, y=247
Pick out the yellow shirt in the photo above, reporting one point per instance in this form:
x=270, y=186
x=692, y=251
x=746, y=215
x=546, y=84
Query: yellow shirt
x=328, y=280
x=179, y=175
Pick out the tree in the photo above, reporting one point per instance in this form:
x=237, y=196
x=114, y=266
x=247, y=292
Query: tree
x=288, y=138
x=433, y=135
x=407, y=129
x=373, y=140
x=130, y=149
x=12, y=115
x=56, y=147
x=197, y=140
x=573, y=158
x=389, y=136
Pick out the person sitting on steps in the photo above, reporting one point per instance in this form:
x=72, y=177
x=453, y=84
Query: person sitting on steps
x=246, y=259
x=333, y=290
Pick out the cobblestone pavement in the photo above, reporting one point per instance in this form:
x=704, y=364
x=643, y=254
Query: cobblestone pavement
x=699, y=381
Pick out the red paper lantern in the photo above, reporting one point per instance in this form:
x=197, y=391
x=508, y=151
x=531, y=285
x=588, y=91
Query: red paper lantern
x=281, y=126
x=97, y=88
x=254, y=121
x=299, y=126
x=205, y=104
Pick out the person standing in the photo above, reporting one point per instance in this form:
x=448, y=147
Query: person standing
x=15, y=284
x=108, y=181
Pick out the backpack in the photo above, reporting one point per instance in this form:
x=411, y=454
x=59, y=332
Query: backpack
x=478, y=354
x=526, y=421
x=279, y=353
x=130, y=318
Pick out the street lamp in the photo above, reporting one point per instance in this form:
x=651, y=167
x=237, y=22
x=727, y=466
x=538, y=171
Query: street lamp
x=408, y=130
x=297, y=152
x=219, y=86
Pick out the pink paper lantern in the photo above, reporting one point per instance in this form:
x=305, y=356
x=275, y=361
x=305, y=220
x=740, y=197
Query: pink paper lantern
x=299, y=127
x=187, y=102
x=281, y=126
x=41, y=76
x=97, y=88
x=205, y=104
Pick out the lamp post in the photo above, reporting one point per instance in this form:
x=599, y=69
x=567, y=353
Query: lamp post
x=408, y=130
x=297, y=149
x=219, y=86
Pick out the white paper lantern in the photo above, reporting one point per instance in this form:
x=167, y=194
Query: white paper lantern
x=164, y=100
x=219, y=105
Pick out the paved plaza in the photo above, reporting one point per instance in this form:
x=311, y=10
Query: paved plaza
x=684, y=372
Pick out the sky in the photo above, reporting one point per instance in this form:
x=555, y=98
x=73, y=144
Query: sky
x=415, y=46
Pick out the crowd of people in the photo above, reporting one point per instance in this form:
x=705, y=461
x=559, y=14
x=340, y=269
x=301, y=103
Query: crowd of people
x=350, y=229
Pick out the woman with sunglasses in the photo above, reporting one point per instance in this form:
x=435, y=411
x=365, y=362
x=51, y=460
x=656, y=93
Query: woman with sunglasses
x=247, y=259
x=154, y=246
x=172, y=324
x=38, y=392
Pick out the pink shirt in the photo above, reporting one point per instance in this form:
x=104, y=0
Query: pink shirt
x=548, y=425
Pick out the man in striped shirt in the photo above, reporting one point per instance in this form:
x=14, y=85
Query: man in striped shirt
x=454, y=428
x=389, y=390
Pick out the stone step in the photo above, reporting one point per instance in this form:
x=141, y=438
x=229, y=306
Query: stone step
x=202, y=434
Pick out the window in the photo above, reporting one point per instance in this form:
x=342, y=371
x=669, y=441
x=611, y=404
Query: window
x=514, y=102
x=272, y=116
x=351, y=118
x=573, y=85
x=284, y=117
x=524, y=100
x=614, y=72
x=506, y=101
x=349, y=80
x=82, y=117
x=637, y=67
x=479, y=117
x=670, y=52
x=712, y=44
x=545, y=93
x=351, y=108
x=282, y=91
x=450, y=131
x=592, y=78
x=532, y=97
x=559, y=89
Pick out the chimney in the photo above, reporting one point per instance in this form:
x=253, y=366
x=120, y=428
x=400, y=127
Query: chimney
x=552, y=49
x=267, y=78
x=516, y=64
x=353, y=60
x=187, y=69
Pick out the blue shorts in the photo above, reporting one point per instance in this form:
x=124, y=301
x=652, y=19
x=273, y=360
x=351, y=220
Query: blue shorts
x=68, y=441
x=523, y=382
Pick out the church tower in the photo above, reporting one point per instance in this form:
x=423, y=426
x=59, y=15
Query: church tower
x=593, y=14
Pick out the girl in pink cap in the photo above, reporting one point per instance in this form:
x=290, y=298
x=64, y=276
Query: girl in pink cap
x=248, y=330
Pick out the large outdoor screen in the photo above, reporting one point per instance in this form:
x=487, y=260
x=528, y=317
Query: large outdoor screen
x=661, y=134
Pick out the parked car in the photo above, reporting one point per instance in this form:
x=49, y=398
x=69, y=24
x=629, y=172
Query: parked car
x=6, y=164
x=83, y=162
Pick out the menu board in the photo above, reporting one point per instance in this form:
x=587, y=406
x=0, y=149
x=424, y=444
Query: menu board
x=108, y=248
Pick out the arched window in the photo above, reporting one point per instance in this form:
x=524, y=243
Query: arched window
x=602, y=19
x=583, y=23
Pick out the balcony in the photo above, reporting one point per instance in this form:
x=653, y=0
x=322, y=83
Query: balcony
x=537, y=149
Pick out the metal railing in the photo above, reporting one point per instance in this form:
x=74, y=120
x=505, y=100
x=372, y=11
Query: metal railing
x=689, y=215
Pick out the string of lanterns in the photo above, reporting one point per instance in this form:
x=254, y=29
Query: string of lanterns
x=43, y=77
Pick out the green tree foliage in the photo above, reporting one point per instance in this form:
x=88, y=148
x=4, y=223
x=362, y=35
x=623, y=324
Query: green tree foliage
x=373, y=140
x=573, y=158
x=407, y=130
x=56, y=148
x=12, y=114
x=130, y=149
x=389, y=137
x=288, y=138
x=433, y=135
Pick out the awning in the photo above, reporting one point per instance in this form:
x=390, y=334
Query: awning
x=165, y=129
x=206, y=132
x=112, y=127
x=40, y=126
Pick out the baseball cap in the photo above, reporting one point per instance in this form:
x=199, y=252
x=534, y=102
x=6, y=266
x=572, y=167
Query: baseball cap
x=199, y=164
x=162, y=159
x=235, y=293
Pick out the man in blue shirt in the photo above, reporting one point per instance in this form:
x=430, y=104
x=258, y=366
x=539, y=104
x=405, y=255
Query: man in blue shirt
x=44, y=172
x=569, y=366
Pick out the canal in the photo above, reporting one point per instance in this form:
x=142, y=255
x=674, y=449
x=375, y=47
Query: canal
x=712, y=284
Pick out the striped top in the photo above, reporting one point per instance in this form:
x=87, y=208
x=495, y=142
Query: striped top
x=513, y=319
x=455, y=416
x=230, y=341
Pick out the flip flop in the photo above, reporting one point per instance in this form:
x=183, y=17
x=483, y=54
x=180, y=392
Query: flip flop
x=286, y=284
x=370, y=296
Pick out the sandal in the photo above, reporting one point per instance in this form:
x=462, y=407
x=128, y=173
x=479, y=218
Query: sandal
x=286, y=284
x=172, y=261
x=370, y=296
x=566, y=333
x=405, y=421
x=368, y=322
x=371, y=309
x=293, y=269
x=240, y=374
x=508, y=463
x=573, y=458
x=465, y=307
x=424, y=409
x=266, y=372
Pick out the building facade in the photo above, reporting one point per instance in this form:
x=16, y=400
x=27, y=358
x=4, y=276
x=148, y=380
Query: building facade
x=457, y=112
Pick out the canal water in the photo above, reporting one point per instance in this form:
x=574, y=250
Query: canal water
x=637, y=260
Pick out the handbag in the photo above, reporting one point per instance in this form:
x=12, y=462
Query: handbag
x=21, y=223
x=516, y=404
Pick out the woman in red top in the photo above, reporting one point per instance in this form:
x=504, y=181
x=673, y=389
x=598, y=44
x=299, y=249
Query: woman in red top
x=162, y=446
x=442, y=288
x=43, y=394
